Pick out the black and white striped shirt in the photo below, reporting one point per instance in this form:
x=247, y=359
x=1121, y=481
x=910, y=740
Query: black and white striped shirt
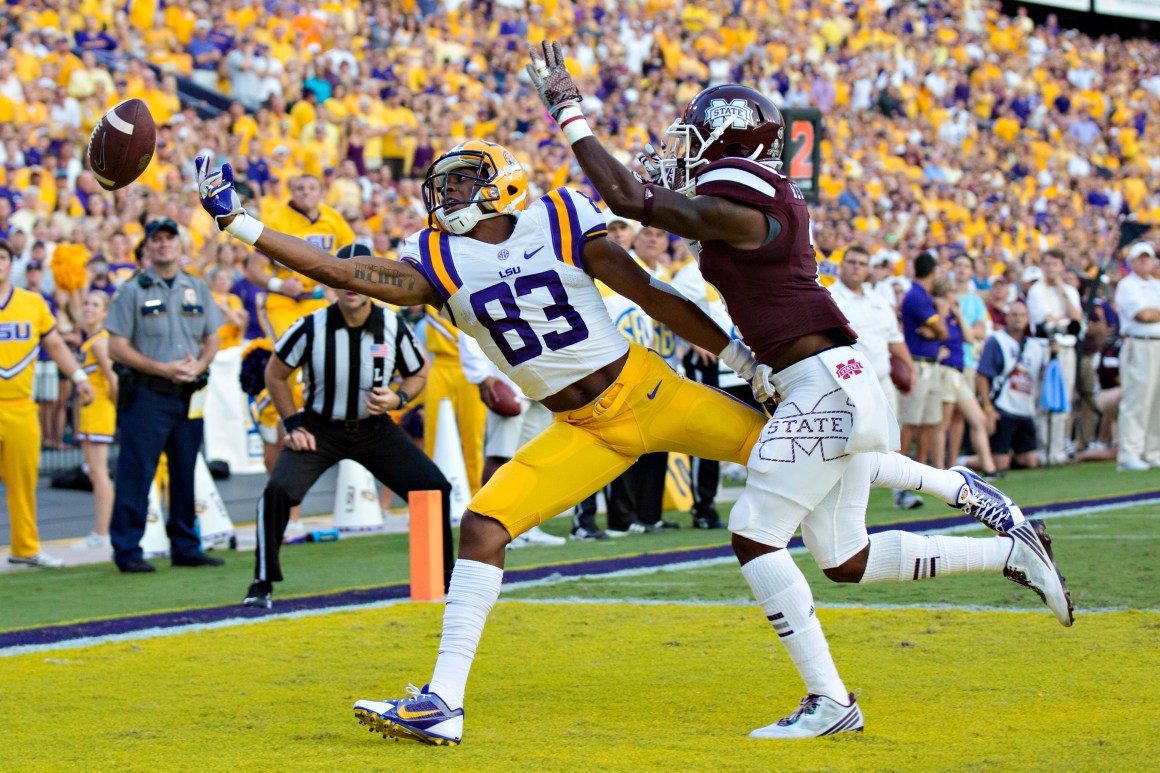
x=340, y=365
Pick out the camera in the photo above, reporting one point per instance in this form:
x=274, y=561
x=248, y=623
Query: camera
x=1054, y=330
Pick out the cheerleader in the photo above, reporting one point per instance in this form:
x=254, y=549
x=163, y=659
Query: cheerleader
x=97, y=421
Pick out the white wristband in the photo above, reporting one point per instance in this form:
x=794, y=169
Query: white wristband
x=274, y=285
x=245, y=228
x=572, y=122
x=79, y=376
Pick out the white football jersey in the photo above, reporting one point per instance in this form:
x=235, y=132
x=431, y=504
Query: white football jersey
x=528, y=301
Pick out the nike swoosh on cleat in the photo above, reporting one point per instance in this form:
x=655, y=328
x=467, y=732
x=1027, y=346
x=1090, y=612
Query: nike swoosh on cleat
x=653, y=393
x=404, y=714
x=528, y=255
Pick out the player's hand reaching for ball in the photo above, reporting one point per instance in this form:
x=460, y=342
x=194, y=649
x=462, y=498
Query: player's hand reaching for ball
x=221, y=200
x=216, y=189
x=558, y=91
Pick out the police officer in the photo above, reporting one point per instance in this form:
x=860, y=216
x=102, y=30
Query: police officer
x=348, y=353
x=163, y=333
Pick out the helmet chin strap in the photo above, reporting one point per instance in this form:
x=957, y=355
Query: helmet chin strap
x=463, y=220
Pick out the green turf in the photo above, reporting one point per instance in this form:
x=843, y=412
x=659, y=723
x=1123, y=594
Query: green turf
x=29, y=598
x=1109, y=559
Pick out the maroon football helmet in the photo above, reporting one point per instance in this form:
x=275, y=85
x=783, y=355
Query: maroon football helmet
x=729, y=121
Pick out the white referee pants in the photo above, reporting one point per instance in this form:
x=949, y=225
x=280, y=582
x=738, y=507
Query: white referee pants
x=1140, y=405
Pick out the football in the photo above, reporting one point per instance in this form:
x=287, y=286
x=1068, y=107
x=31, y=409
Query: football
x=122, y=144
x=504, y=400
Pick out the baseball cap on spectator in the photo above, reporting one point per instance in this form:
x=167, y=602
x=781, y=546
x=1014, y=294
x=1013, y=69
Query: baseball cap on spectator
x=1140, y=249
x=356, y=250
x=160, y=224
x=1032, y=274
x=632, y=224
x=884, y=258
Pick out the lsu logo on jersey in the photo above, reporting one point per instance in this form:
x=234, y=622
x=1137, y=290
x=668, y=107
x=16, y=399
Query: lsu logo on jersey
x=322, y=241
x=15, y=331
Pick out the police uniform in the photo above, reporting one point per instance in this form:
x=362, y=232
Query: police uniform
x=340, y=365
x=24, y=320
x=539, y=317
x=326, y=231
x=97, y=421
x=163, y=321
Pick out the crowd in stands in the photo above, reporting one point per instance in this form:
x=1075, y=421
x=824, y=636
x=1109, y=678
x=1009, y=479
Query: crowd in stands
x=950, y=129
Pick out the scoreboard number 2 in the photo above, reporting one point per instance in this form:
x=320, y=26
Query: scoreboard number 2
x=802, y=152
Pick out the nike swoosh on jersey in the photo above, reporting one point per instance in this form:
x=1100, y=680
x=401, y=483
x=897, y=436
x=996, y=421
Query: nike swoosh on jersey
x=528, y=255
x=653, y=393
x=404, y=714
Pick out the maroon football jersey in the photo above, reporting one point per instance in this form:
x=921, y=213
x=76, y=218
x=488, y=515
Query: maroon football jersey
x=772, y=292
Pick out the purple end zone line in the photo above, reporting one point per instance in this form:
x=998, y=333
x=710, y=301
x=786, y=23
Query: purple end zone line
x=52, y=634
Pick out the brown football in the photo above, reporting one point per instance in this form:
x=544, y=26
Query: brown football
x=504, y=400
x=122, y=144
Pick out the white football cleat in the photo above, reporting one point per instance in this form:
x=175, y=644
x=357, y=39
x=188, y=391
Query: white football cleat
x=816, y=716
x=1032, y=565
x=535, y=536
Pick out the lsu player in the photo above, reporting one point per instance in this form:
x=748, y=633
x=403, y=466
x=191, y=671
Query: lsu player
x=97, y=421
x=289, y=295
x=721, y=187
x=26, y=325
x=518, y=276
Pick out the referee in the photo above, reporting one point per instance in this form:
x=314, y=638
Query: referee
x=348, y=353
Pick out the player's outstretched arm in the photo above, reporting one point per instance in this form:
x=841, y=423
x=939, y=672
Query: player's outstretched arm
x=388, y=280
x=701, y=218
x=608, y=262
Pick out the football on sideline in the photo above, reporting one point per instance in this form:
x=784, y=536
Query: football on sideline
x=122, y=144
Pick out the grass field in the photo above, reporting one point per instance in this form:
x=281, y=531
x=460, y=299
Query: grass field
x=580, y=687
x=99, y=591
x=629, y=671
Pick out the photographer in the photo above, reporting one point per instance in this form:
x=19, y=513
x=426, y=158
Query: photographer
x=163, y=333
x=1056, y=315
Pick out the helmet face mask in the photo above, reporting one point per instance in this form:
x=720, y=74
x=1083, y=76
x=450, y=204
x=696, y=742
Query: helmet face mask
x=498, y=186
x=729, y=121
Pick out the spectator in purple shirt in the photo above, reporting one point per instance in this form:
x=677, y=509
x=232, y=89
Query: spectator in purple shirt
x=924, y=329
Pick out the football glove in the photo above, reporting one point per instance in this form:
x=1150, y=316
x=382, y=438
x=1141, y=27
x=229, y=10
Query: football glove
x=220, y=199
x=558, y=91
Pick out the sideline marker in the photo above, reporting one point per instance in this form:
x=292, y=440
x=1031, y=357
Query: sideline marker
x=426, y=545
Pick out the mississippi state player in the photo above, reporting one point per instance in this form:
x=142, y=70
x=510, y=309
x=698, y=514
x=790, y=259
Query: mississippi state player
x=721, y=186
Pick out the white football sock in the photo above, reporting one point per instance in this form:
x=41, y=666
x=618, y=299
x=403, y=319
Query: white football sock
x=901, y=472
x=899, y=556
x=784, y=596
x=473, y=592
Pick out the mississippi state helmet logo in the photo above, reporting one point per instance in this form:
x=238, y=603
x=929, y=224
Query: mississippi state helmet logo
x=850, y=368
x=734, y=111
